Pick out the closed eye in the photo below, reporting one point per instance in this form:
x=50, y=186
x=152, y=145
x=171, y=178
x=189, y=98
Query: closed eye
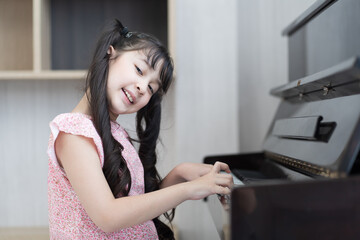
x=138, y=70
x=151, y=89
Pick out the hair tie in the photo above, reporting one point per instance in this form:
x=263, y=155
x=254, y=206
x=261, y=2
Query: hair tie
x=125, y=32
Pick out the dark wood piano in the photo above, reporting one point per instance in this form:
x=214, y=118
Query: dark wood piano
x=305, y=182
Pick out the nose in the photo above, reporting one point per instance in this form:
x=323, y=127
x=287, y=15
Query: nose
x=141, y=87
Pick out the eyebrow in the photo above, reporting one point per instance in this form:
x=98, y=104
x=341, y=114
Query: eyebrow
x=149, y=66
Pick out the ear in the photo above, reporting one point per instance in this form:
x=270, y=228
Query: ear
x=111, y=51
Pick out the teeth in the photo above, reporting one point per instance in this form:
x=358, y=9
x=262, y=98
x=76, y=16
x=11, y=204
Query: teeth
x=128, y=96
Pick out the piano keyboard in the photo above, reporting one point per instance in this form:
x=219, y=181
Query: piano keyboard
x=237, y=181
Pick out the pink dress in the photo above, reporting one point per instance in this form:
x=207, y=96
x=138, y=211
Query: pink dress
x=67, y=218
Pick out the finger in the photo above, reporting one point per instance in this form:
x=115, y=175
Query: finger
x=227, y=177
x=220, y=166
x=224, y=181
x=222, y=190
x=224, y=174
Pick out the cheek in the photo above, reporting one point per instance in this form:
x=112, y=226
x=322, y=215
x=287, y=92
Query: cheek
x=113, y=97
x=109, y=94
x=112, y=83
x=145, y=101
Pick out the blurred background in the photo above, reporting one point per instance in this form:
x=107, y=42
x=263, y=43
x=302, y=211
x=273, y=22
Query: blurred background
x=227, y=54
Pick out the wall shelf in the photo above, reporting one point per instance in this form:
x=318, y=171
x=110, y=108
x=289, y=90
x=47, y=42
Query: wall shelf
x=43, y=75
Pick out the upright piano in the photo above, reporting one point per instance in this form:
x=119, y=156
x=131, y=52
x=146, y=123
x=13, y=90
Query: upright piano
x=305, y=182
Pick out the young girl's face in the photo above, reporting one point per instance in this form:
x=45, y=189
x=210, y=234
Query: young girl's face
x=131, y=82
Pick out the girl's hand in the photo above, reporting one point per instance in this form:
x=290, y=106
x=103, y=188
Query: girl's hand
x=185, y=172
x=213, y=182
x=192, y=171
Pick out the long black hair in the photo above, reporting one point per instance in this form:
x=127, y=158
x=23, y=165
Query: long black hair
x=147, y=119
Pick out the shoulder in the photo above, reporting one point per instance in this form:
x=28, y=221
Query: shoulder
x=69, y=146
x=75, y=123
x=73, y=132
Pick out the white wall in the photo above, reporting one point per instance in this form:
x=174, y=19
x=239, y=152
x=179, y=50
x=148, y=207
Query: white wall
x=206, y=99
x=26, y=108
x=263, y=59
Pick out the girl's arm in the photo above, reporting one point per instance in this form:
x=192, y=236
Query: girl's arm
x=185, y=172
x=81, y=163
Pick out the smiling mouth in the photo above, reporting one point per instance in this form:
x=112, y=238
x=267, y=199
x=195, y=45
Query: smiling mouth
x=128, y=96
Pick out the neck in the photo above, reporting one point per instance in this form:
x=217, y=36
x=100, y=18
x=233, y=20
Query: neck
x=83, y=106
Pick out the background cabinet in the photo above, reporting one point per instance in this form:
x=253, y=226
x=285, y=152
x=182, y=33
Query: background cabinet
x=54, y=39
x=76, y=25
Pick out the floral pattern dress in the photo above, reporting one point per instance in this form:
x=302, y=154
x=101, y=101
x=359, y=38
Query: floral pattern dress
x=67, y=218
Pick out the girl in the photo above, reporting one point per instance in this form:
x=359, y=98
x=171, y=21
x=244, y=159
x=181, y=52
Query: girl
x=99, y=187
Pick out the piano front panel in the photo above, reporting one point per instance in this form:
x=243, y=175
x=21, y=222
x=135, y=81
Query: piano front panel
x=298, y=210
